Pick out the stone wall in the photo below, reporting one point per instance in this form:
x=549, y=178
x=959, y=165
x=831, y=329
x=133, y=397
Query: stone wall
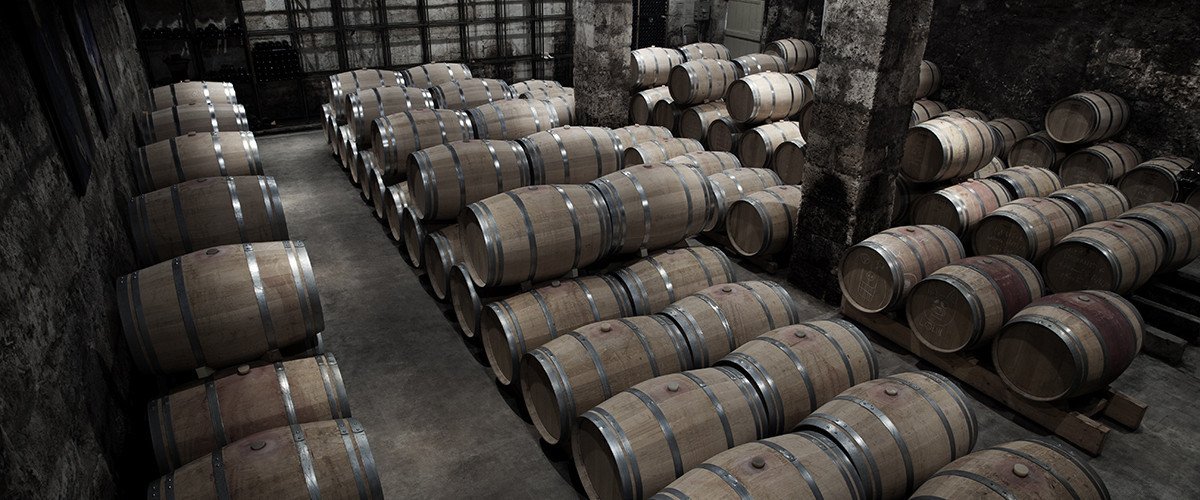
x=72, y=420
x=603, y=34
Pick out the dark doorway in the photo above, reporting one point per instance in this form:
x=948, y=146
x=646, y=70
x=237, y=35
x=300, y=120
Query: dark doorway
x=649, y=23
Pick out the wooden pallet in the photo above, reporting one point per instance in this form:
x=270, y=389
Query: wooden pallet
x=1075, y=423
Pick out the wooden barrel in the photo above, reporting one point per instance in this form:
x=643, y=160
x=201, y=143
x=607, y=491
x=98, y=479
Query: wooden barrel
x=349, y=82
x=756, y=147
x=444, y=179
x=924, y=110
x=192, y=117
x=348, y=148
x=946, y=148
x=197, y=155
x=514, y=119
x=1117, y=255
x=718, y=319
x=1029, y=468
x=633, y=134
x=800, y=367
x=394, y=205
x=898, y=430
x=659, y=279
x=877, y=273
x=468, y=300
x=443, y=249
x=709, y=162
x=206, y=212
x=723, y=135
x=642, y=103
x=573, y=155
x=659, y=150
x=666, y=115
x=413, y=233
x=703, y=80
x=654, y=206
x=394, y=137
x=328, y=122
x=1179, y=226
x=526, y=86
x=358, y=169
x=992, y=167
x=1025, y=227
x=752, y=64
x=799, y=54
x=1068, y=344
x=1036, y=150
x=225, y=408
x=219, y=307
x=376, y=189
x=1102, y=163
x=694, y=121
x=165, y=96
x=1094, y=202
x=518, y=235
x=801, y=465
x=467, y=94
x=326, y=459
x=511, y=327
x=1087, y=117
x=1024, y=181
x=1155, y=180
x=363, y=107
x=546, y=93
x=581, y=369
x=964, y=304
x=650, y=66
x=961, y=206
x=704, y=50
x=762, y=223
x=789, y=161
x=433, y=74
x=1009, y=131
x=564, y=107
x=964, y=113
x=929, y=79
x=665, y=425
x=368, y=172
x=729, y=186
x=809, y=78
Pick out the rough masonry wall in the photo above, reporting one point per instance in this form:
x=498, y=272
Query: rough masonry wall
x=71, y=420
x=603, y=34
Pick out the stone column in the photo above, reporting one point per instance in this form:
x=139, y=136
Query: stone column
x=603, y=34
x=867, y=81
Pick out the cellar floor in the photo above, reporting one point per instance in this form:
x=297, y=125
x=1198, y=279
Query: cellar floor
x=441, y=427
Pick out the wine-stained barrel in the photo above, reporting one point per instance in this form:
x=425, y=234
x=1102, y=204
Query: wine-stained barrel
x=646, y=436
x=1026, y=227
x=723, y=135
x=349, y=82
x=515, y=118
x=443, y=249
x=573, y=155
x=694, y=121
x=1037, y=150
x=1155, y=180
x=752, y=64
x=961, y=206
x=1094, y=202
x=188, y=91
x=1068, y=344
x=1009, y=131
x=654, y=206
x=1102, y=163
x=467, y=94
x=704, y=50
x=1024, y=181
x=708, y=162
x=799, y=54
x=196, y=155
x=202, y=118
x=519, y=235
x=657, y=280
x=800, y=367
x=203, y=213
x=363, y=107
x=1118, y=255
x=1087, y=117
x=1029, y=468
x=877, y=273
x=643, y=102
x=225, y=408
x=444, y=179
x=511, y=327
x=394, y=137
x=946, y=148
x=898, y=430
x=729, y=186
x=433, y=74
x=581, y=369
x=703, y=80
x=756, y=147
x=650, y=66
x=220, y=307
x=659, y=150
x=326, y=459
x=762, y=223
x=924, y=110
x=1179, y=226
x=718, y=319
x=929, y=79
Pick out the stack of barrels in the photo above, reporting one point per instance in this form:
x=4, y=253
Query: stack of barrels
x=226, y=299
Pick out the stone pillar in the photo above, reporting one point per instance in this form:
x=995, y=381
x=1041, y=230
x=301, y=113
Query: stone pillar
x=603, y=34
x=867, y=82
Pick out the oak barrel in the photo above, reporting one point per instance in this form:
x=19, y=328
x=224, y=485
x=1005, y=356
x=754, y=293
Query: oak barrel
x=395, y=202
x=964, y=113
x=413, y=233
x=946, y=148
x=992, y=167
x=394, y=137
x=1118, y=255
x=654, y=206
x=655, y=281
x=1025, y=181
x=898, y=430
x=468, y=300
x=799, y=54
x=203, y=417
x=799, y=367
x=564, y=107
x=877, y=273
x=434, y=74
x=326, y=459
x=526, y=86
x=1029, y=468
x=704, y=50
x=752, y=64
x=650, y=66
x=511, y=327
x=694, y=121
x=964, y=304
x=443, y=249
x=789, y=161
x=220, y=307
x=1155, y=180
x=192, y=117
x=547, y=93
x=708, y=162
x=723, y=135
x=1094, y=202
x=718, y=319
x=515, y=118
x=633, y=134
x=581, y=369
x=665, y=425
x=703, y=80
x=659, y=150
x=961, y=206
x=349, y=82
x=205, y=212
x=1025, y=227
x=196, y=155
x=756, y=147
x=444, y=179
x=1087, y=117
x=643, y=102
x=1036, y=150
x=1179, y=226
x=573, y=155
x=1102, y=163
x=363, y=107
x=1009, y=131
x=328, y=122
x=929, y=79
x=729, y=186
x=762, y=223
x=665, y=114
x=924, y=110
x=1068, y=344
x=165, y=96
x=467, y=94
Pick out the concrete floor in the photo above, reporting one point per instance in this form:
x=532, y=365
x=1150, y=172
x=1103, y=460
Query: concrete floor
x=440, y=427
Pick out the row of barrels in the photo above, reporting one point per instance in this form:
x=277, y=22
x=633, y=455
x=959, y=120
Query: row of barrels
x=223, y=289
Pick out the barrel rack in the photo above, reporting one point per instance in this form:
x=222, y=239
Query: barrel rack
x=1074, y=421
